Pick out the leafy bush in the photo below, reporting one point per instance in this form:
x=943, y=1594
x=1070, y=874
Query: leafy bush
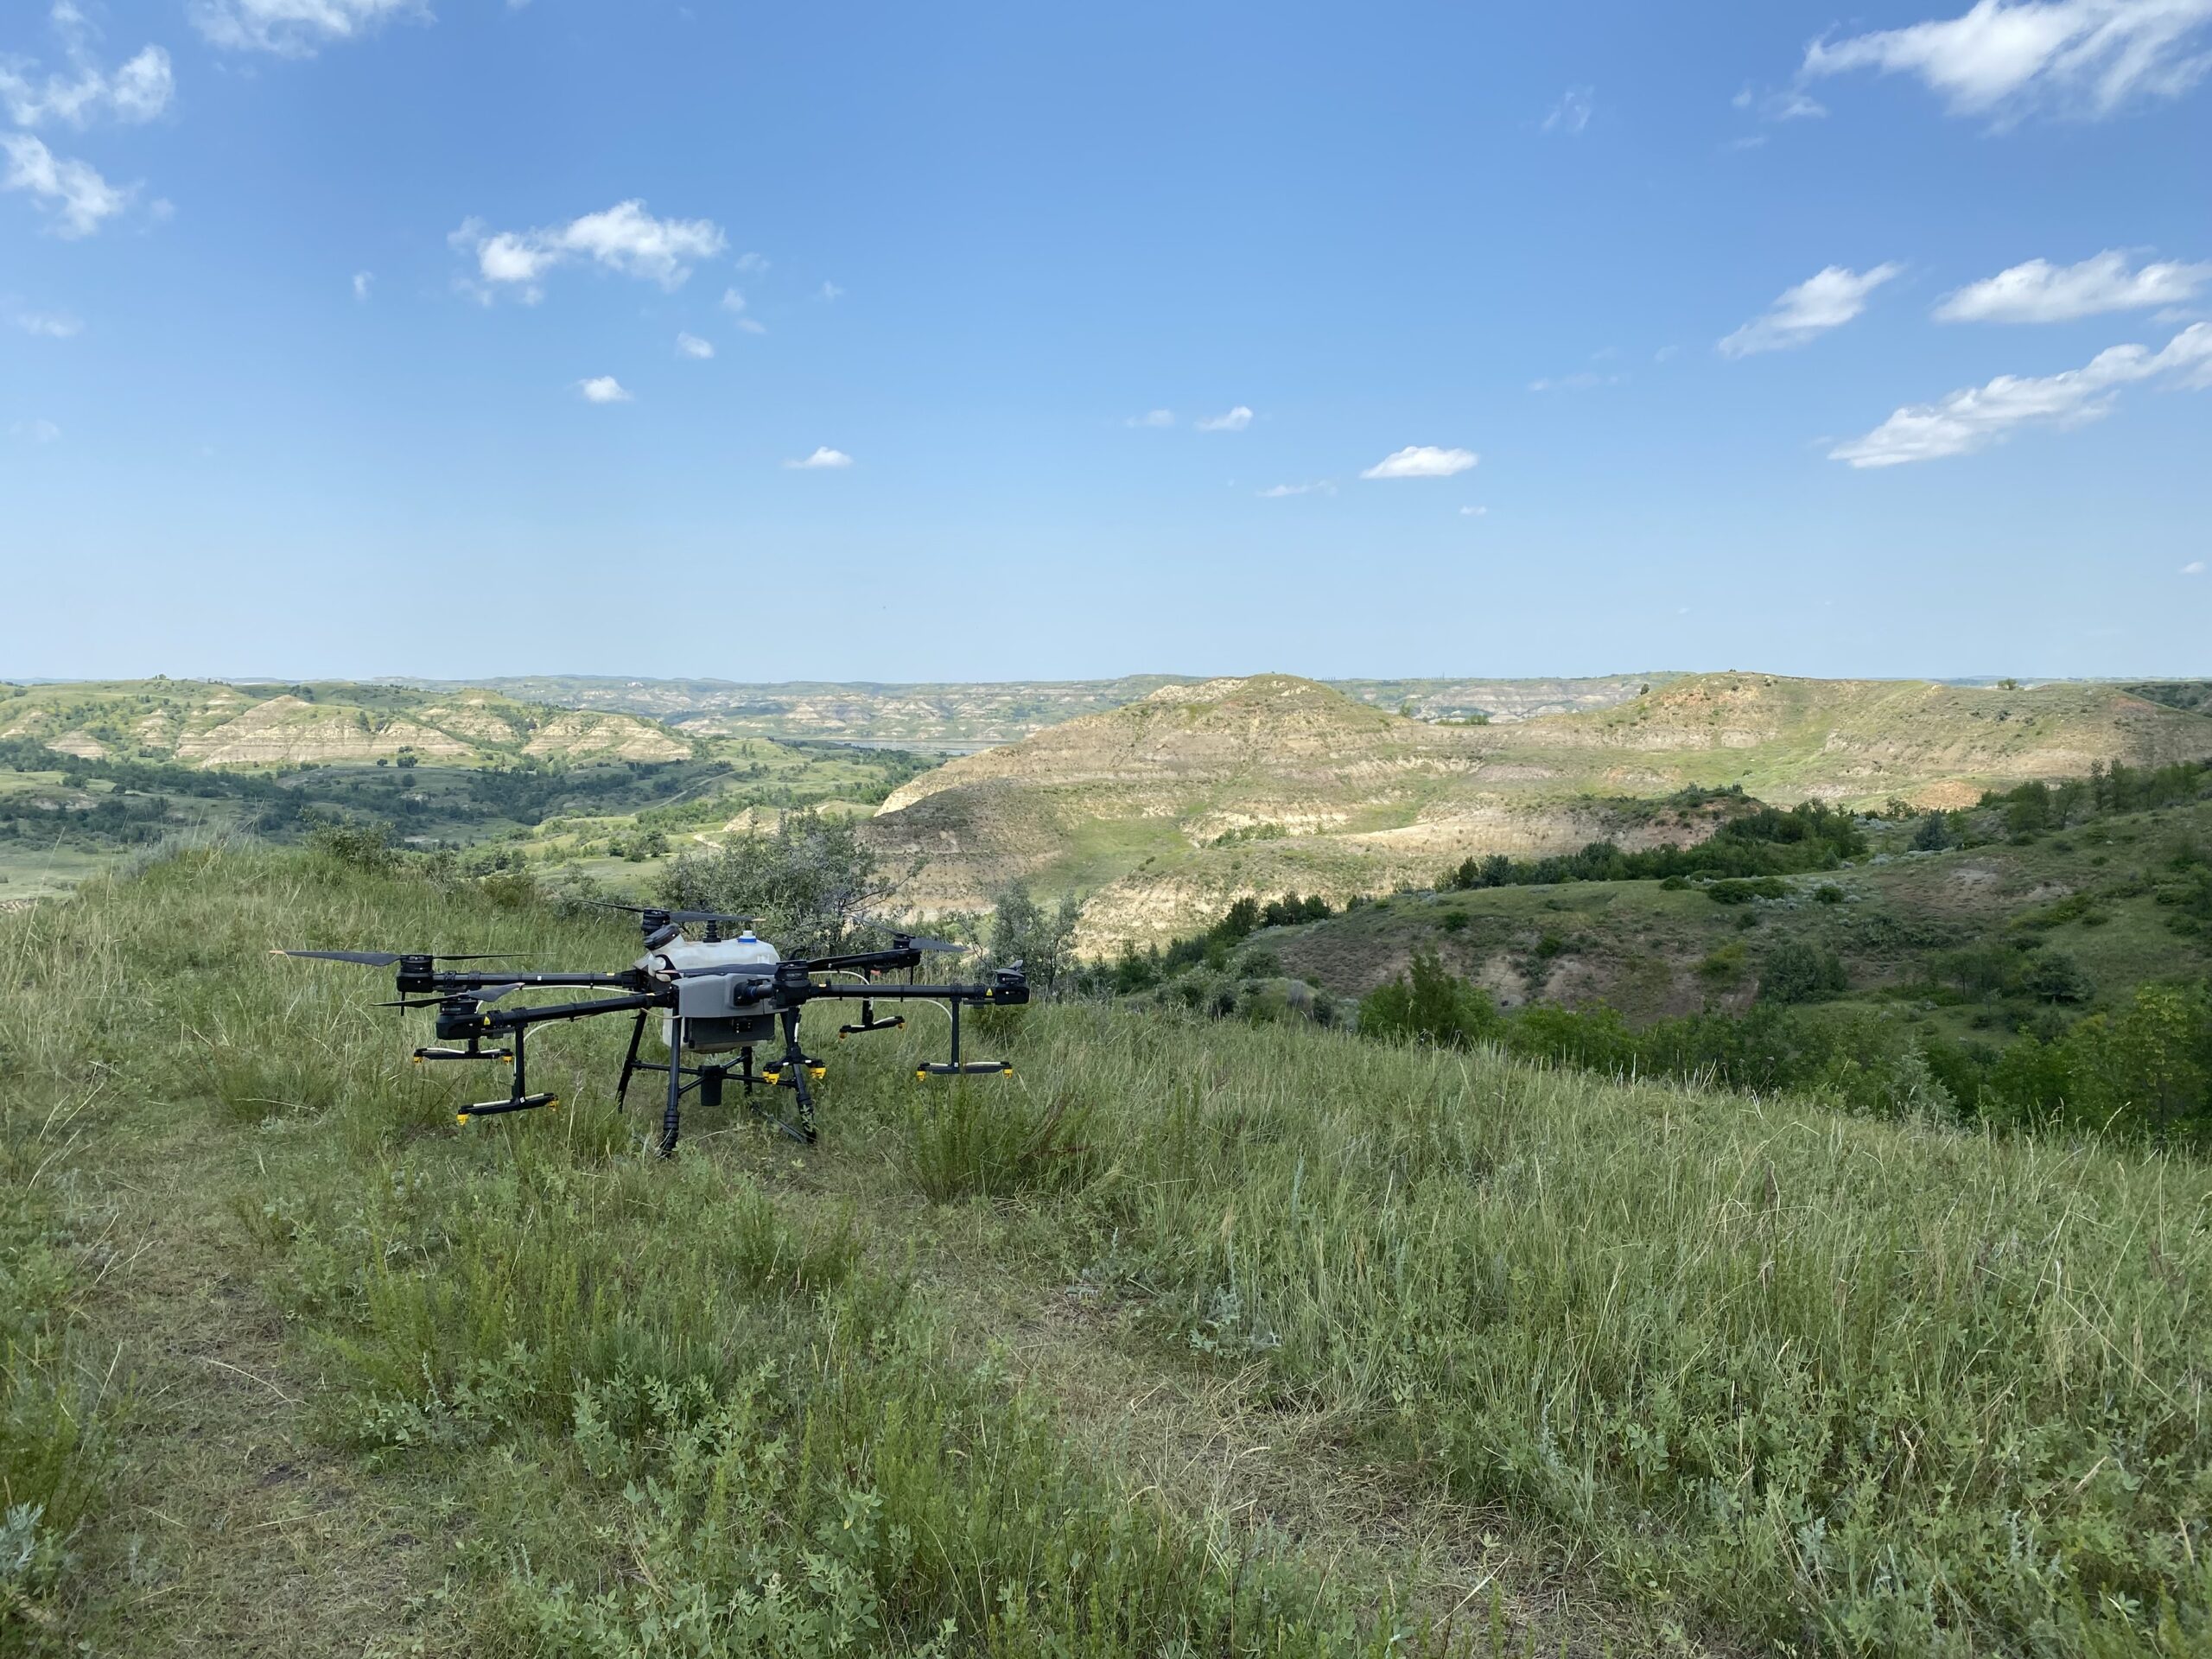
x=1796, y=970
x=806, y=883
x=1429, y=1004
x=1042, y=940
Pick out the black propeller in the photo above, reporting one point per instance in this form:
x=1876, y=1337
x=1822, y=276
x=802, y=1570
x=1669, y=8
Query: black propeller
x=386, y=958
x=714, y=916
x=906, y=939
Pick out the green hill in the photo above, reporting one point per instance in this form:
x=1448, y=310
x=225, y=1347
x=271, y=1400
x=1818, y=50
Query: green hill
x=1165, y=810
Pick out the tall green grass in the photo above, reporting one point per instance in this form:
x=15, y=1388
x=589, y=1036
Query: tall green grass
x=1844, y=1385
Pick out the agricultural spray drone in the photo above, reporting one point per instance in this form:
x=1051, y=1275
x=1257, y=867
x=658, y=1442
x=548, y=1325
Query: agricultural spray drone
x=717, y=996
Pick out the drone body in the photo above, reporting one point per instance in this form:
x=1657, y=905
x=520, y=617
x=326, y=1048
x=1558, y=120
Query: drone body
x=714, y=997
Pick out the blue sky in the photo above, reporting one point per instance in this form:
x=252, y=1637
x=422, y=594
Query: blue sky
x=354, y=337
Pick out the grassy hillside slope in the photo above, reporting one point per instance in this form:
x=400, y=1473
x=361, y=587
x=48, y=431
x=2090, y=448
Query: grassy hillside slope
x=1165, y=810
x=2100, y=894
x=1191, y=1338
x=91, y=772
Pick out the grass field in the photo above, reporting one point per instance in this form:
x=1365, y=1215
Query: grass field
x=1189, y=1339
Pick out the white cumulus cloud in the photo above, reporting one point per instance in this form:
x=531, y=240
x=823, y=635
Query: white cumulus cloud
x=1474, y=512
x=136, y=90
x=1423, y=460
x=295, y=28
x=363, y=280
x=692, y=346
x=822, y=458
x=2039, y=291
x=1319, y=487
x=603, y=389
x=1978, y=416
x=1235, y=421
x=72, y=191
x=1573, y=112
x=1827, y=300
x=2006, y=59
x=624, y=237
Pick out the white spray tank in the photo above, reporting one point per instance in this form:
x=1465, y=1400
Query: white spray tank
x=685, y=955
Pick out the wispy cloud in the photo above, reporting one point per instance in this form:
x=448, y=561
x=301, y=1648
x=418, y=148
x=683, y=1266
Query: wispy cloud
x=1573, y=112
x=821, y=459
x=49, y=325
x=831, y=291
x=2007, y=59
x=1790, y=103
x=1474, y=512
x=1979, y=416
x=295, y=28
x=1423, y=460
x=78, y=199
x=1584, y=380
x=1152, y=417
x=38, y=431
x=750, y=264
x=2039, y=291
x=363, y=281
x=603, y=389
x=136, y=90
x=2194, y=568
x=1827, y=300
x=1319, y=487
x=1235, y=421
x=734, y=302
x=624, y=238
x=692, y=346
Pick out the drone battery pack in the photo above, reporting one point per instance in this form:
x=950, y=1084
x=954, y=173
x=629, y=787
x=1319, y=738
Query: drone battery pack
x=722, y=1012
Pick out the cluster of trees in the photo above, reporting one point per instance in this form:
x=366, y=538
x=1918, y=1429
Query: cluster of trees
x=1133, y=972
x=2145, y=1068
x=1764, y=843
x=109, y=820
x=2032, y=809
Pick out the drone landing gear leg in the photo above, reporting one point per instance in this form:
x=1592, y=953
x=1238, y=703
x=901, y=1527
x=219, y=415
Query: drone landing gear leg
x=791, y=1072
x=630, y=1061
x=672, y=1113
x=517, y=1100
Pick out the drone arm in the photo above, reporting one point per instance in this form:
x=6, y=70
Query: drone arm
x=993, y=995
x=516, y=1019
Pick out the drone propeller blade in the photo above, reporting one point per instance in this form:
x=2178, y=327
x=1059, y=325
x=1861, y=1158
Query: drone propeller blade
x=386, y=958
x=714, y=916
x=906, y=938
